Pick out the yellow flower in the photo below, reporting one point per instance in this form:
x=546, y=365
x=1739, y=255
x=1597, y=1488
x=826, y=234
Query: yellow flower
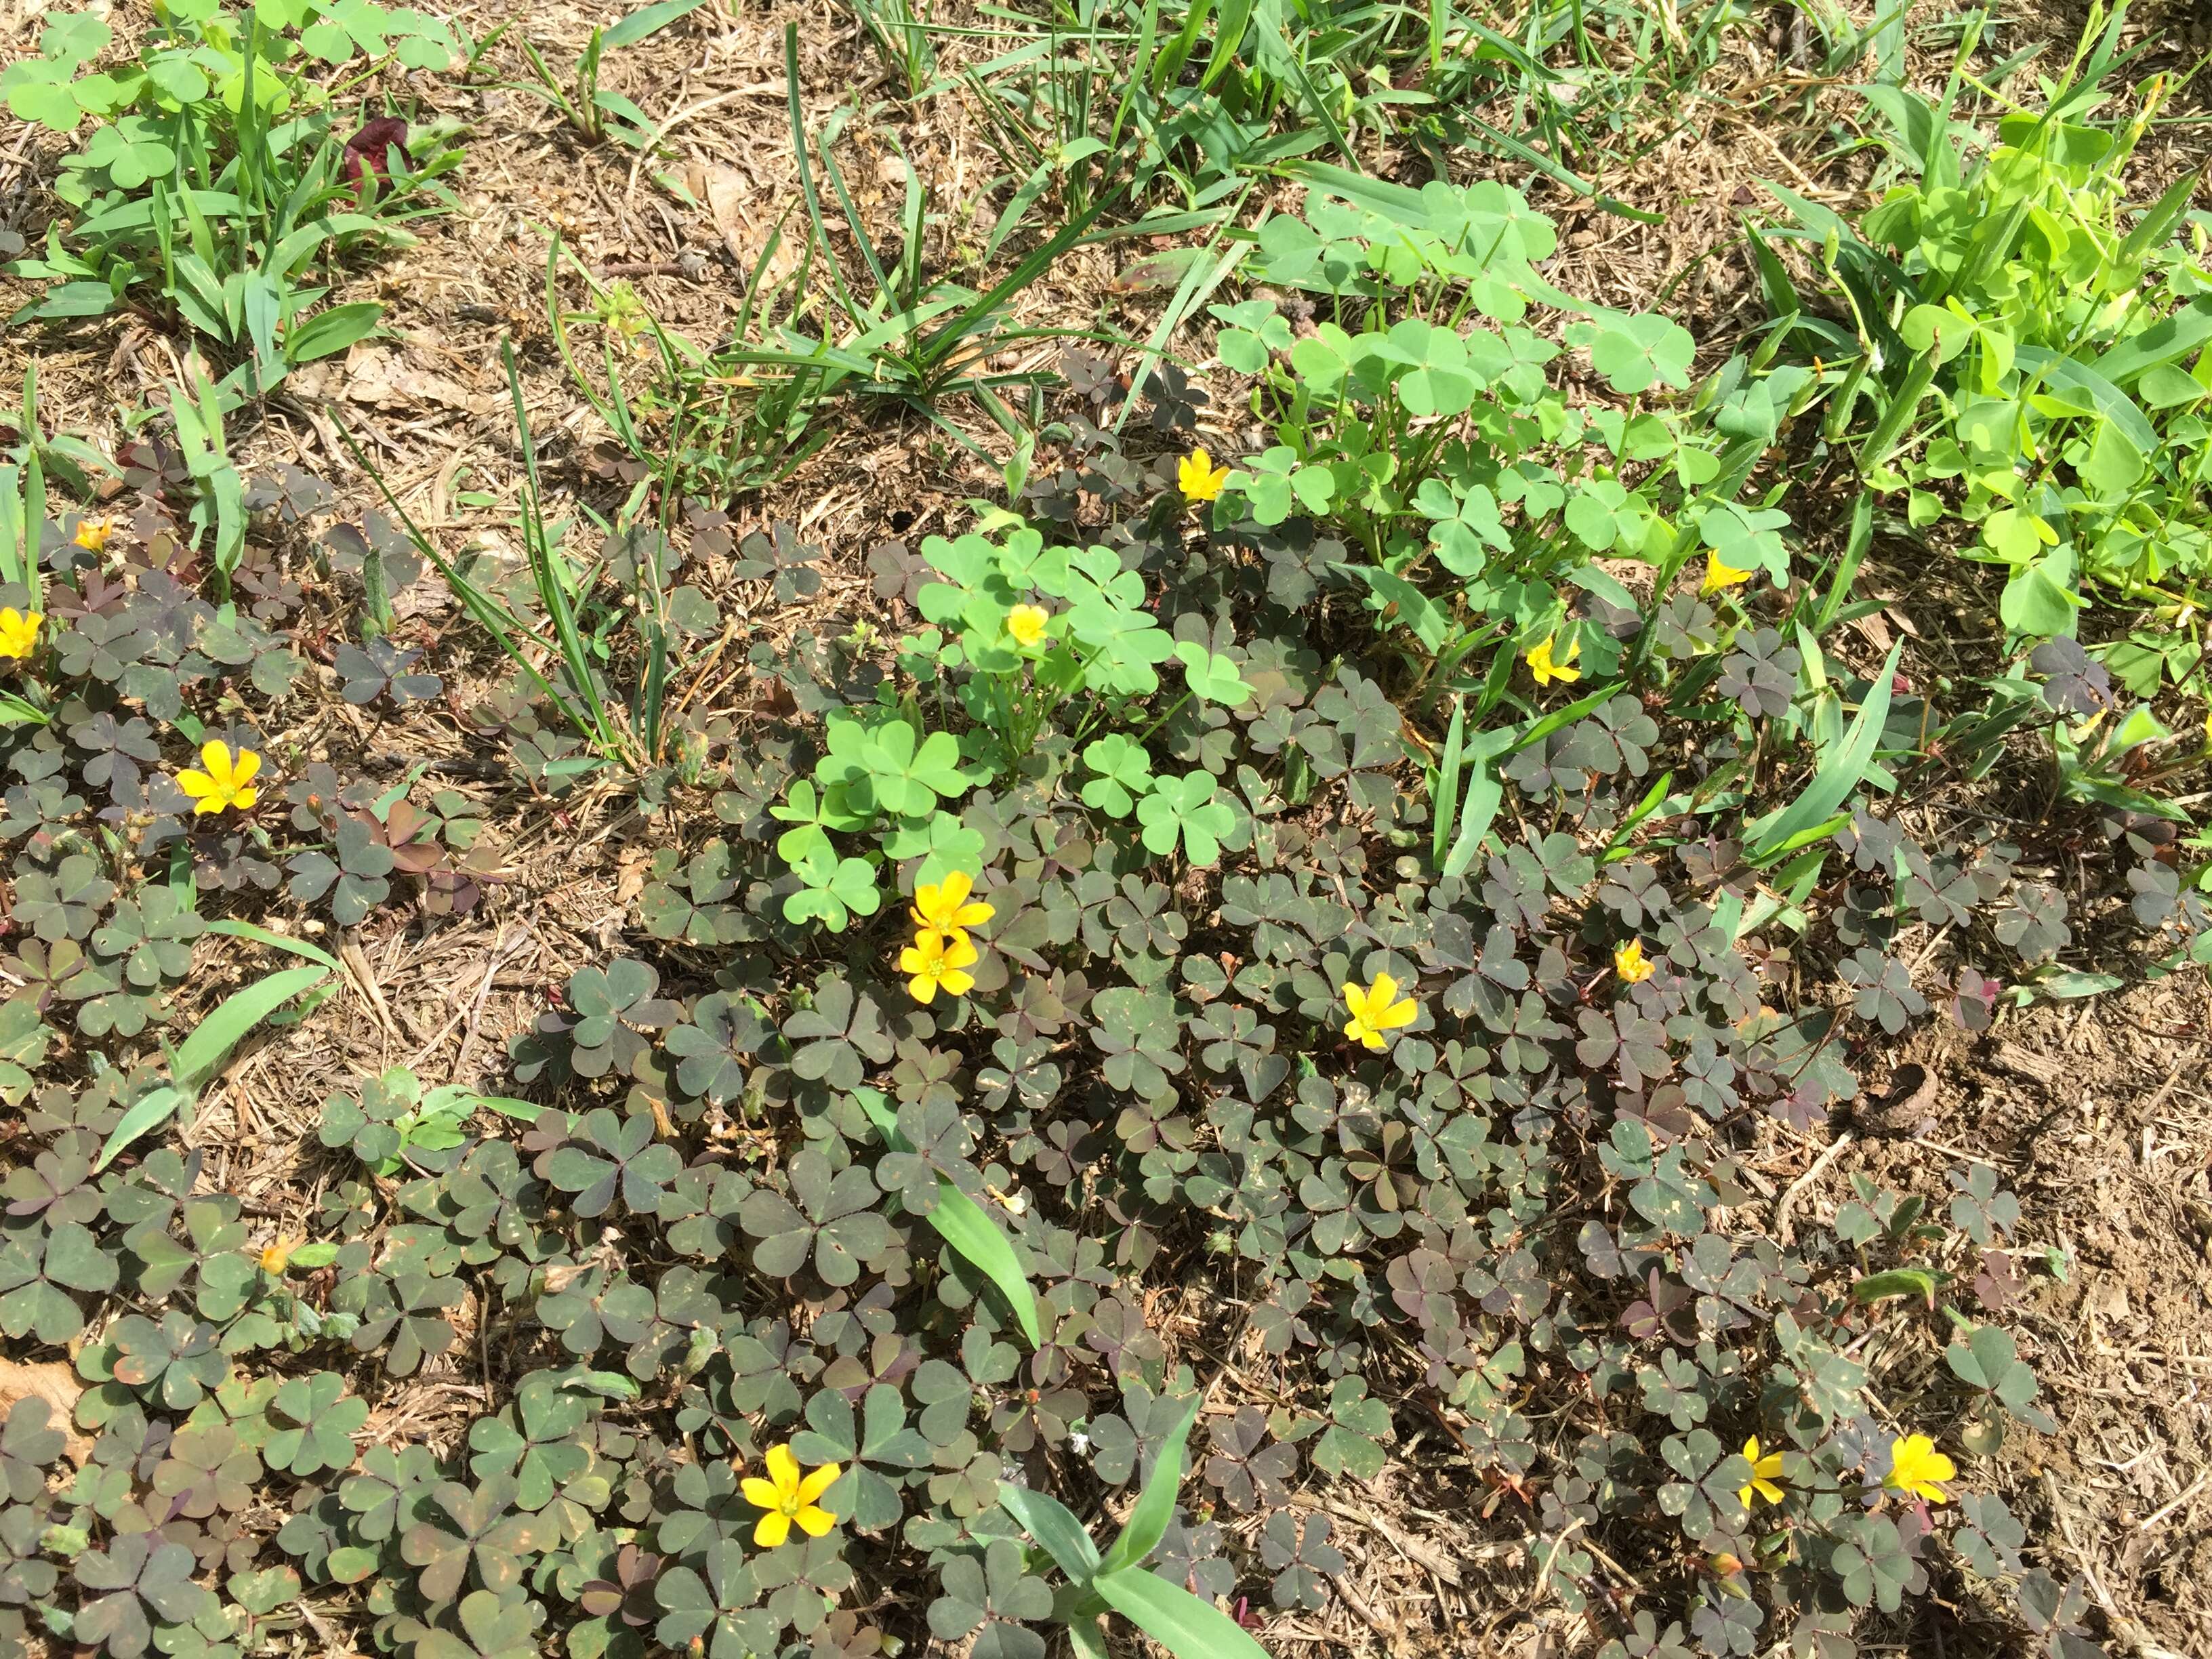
x=92, y=535
x=1198, y=478
x=1025, y=625
x=225, y=783
x=944, y=906
x=936, y=960
x=1628, y=961
x=1917, y=1469
x=1766, y=1474
x=785, y=1497
x=1545, y=671
x=278, y=1256
x=1719, y=576
x=1376, y=1010
x=18, y=633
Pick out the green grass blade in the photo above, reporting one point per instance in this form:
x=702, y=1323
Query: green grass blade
x=552, y=592
x=299, y=947
x=1444, y=805
x=1485, y=795
x=648, y=20
x=202, y=1054
x=148, y=1112
x=962, y=1223
x=1148, y=1520
x=1839, y=774
x=806, y=173
x=1185, y=1626
x=1054, y=1525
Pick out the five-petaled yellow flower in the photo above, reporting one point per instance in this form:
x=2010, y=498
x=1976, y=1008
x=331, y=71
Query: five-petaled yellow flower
x=943, y=907
x=1025, y=625
x=1766, y=1475
x=19, y=633
x=1376, y=1010
x=1197, y=477
x=1917, y=1469
x=938, y=961
x=1628, y=961
x=785, y=1497
x=225, y=783
x=92, y=535
x=1540, y=663
x=1719, y=574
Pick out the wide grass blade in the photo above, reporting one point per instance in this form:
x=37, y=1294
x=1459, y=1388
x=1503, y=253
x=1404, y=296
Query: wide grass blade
x=964, y=1225
x=648, y=20
x=1148, y=1521
x=1054, y=1525
x=1173, y=1617
x=1839, y=774
x=200, y=1055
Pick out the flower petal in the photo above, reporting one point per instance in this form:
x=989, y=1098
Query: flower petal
x=783, y=1468
x=819, y=1482
x=775, y=1527
x=762, y=1494
x=815, y=1522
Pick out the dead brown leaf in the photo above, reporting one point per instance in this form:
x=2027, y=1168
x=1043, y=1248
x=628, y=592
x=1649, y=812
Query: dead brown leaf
x=57, y=1385
x=726, y=194
x=379, y=379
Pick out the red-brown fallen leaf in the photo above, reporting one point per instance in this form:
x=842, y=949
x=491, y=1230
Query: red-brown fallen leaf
x=369, y=151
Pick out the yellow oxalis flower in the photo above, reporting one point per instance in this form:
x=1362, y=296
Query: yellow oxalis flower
x=938, y=961
x=1719, y=576
x=19, y=633
x=1376, y=1010
x=1628, y=961
x=1197, y=477
x=1025, y=625
x=92, y=535
x=945, y=906
x=278, y=1256
x=226, y=781
x=1917, y=1469
x=1766, y=1475
x=1546, y=670
x=785, y=1497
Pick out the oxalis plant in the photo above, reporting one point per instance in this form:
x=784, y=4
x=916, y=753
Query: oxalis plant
x=1128, y=950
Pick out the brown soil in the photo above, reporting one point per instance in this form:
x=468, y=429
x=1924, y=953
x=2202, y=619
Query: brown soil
x=2097, y=1116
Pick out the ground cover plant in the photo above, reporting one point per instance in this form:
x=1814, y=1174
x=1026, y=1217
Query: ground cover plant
x=1315, y=930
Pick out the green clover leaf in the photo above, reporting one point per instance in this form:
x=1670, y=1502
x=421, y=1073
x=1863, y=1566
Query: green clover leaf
x=1125, y=772
x=1212, y=677
x=1184, y=809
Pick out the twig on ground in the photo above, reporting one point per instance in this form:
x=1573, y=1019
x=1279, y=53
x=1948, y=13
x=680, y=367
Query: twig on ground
x=1783, y=1231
